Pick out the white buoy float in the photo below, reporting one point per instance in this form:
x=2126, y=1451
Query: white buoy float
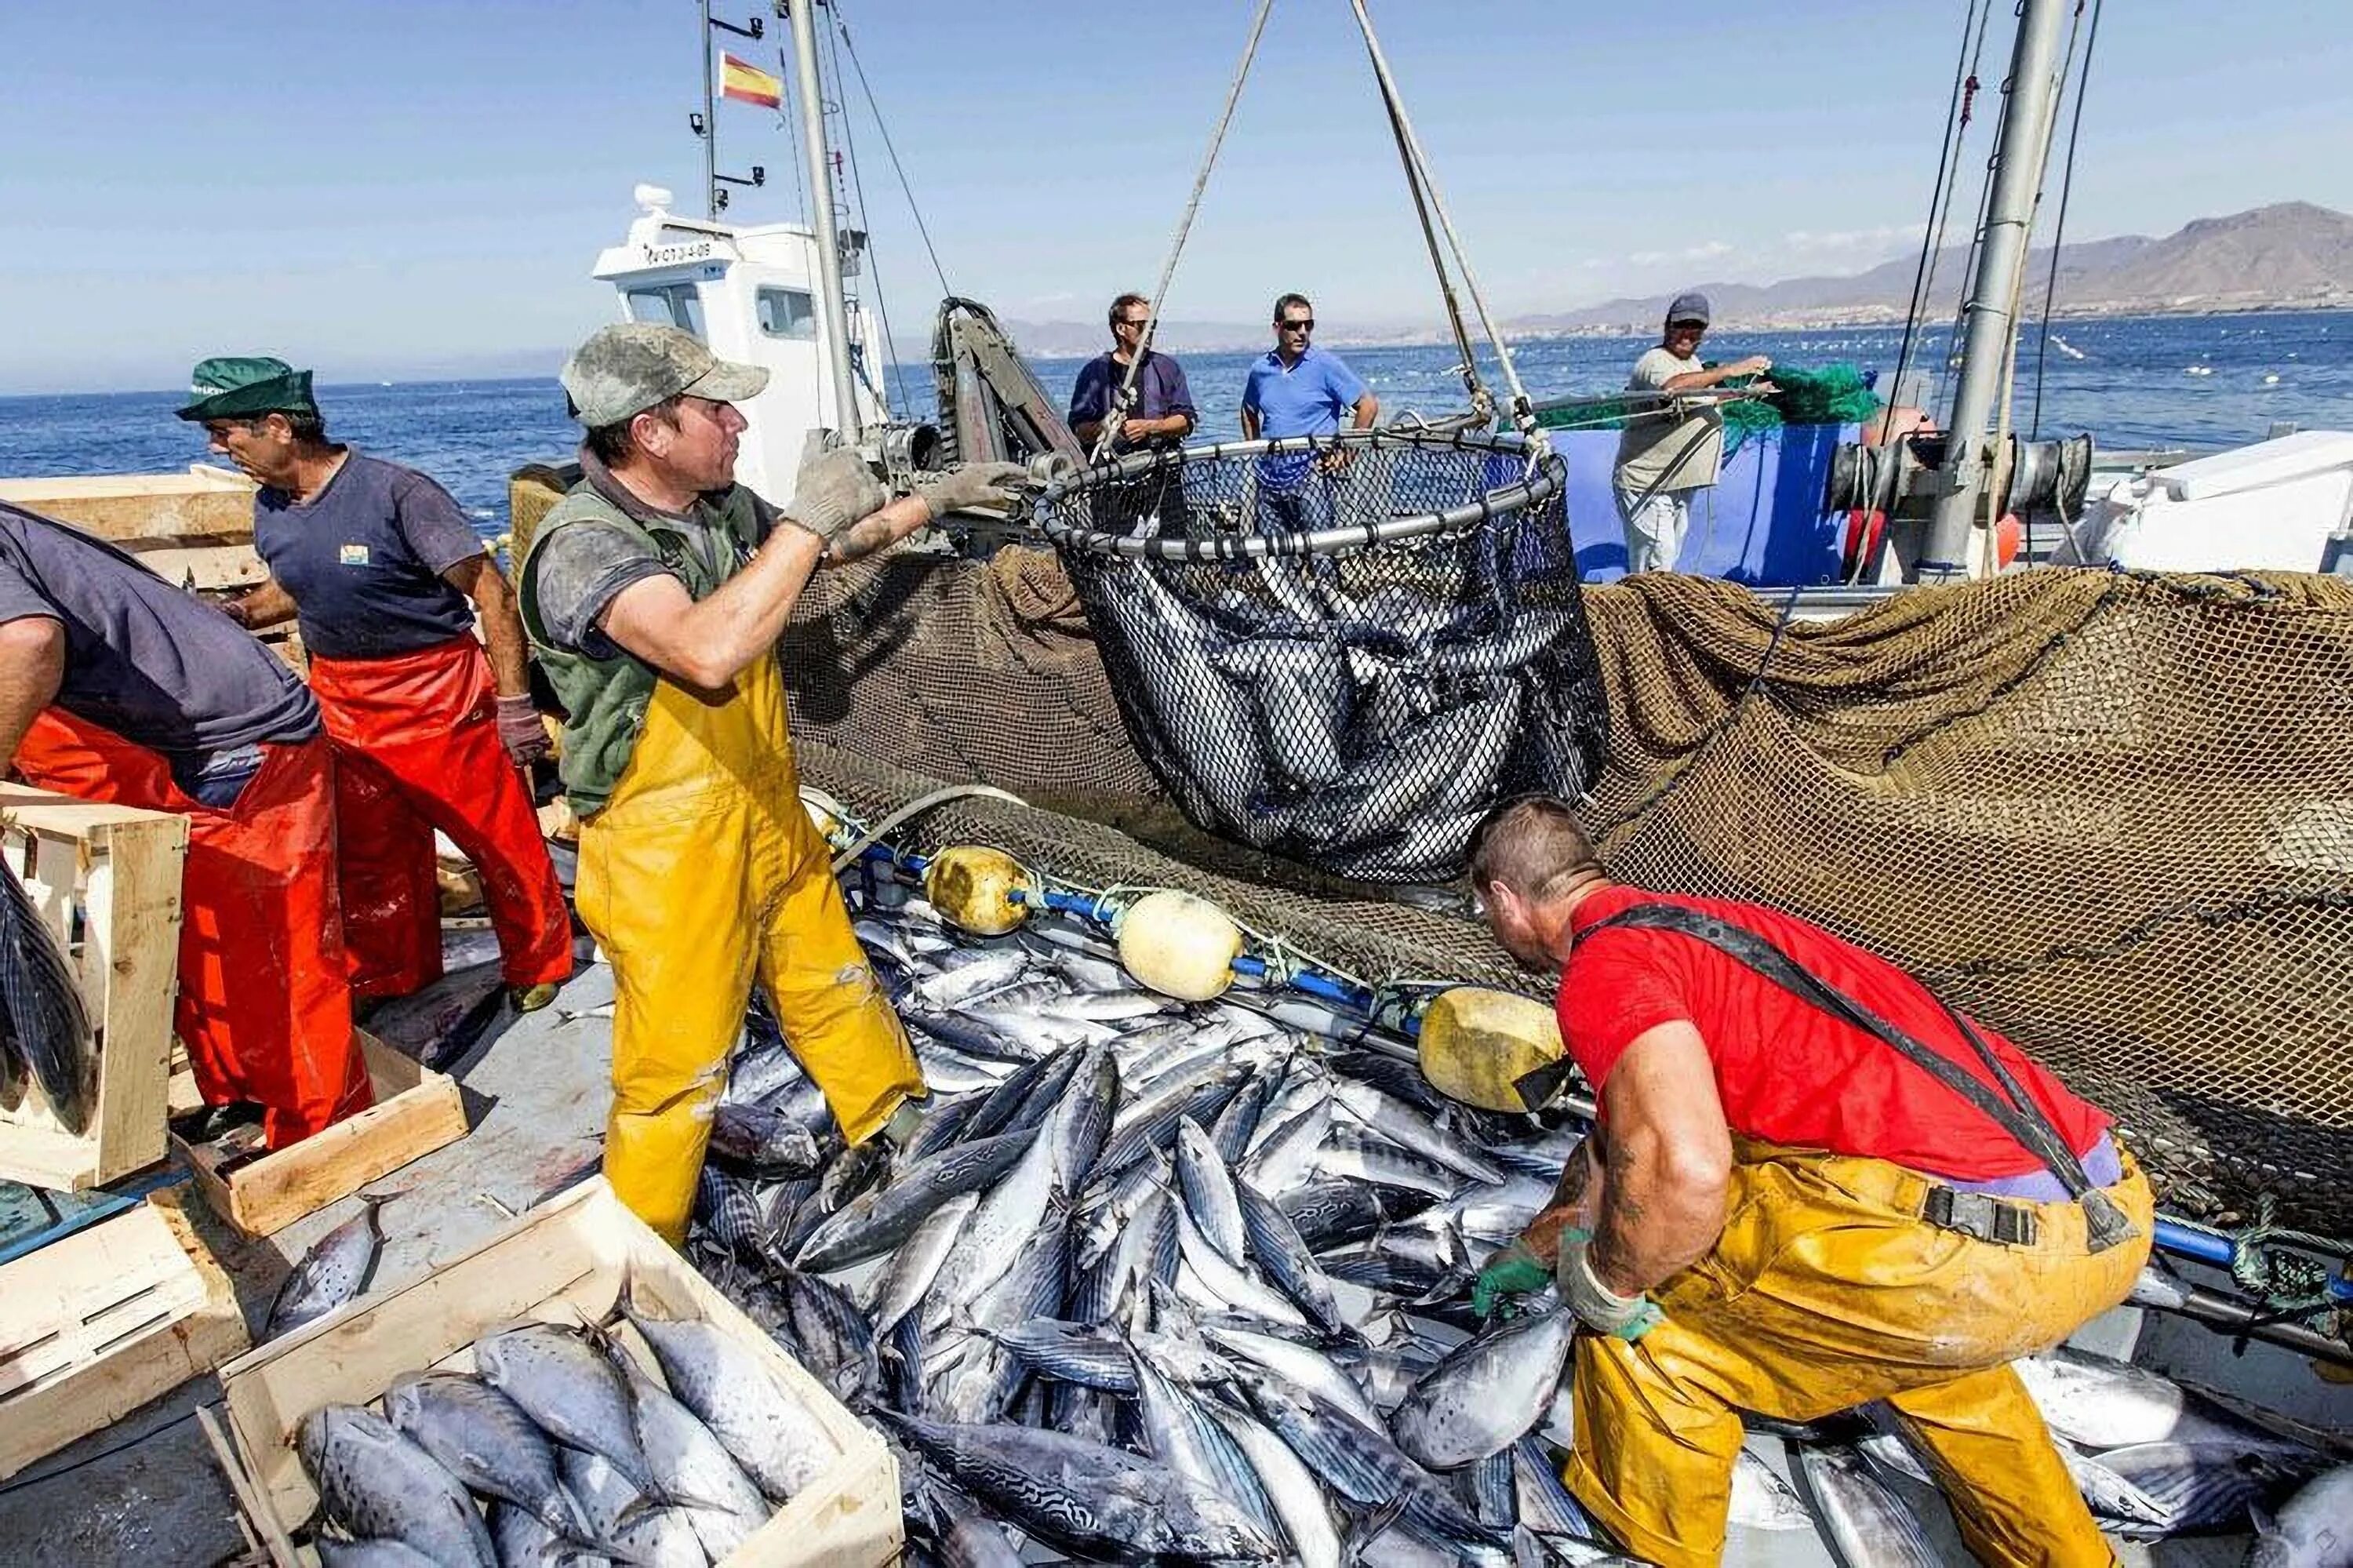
x=1178, y=945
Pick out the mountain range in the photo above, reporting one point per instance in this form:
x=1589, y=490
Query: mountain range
x=2292, y=255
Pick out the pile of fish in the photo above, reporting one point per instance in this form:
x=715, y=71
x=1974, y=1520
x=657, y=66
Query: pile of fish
x=46, y=1040
x=1183, y=1284
x=562, y=1447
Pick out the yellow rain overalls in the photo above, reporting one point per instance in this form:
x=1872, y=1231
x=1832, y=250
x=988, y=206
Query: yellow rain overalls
x=1827, y=1290
x=700, y=873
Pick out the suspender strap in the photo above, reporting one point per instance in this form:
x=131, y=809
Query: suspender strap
x=2104, y=1223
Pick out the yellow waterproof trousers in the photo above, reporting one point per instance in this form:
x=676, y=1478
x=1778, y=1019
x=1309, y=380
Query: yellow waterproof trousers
x=700, y=873
x=1827, y=1291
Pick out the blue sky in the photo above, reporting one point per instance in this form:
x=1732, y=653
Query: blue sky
x=384, y=189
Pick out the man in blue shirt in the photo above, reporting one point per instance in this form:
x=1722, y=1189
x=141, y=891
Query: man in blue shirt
x=1158, y=419
x=1297, y=389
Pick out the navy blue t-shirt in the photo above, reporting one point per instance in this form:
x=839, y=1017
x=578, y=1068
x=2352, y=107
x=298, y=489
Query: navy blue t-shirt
x=364, y=559
x=1160, y=391
x=152, y=663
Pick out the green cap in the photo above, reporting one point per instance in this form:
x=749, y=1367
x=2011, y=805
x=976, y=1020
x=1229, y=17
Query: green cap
x=627, y=369
x=232, y=387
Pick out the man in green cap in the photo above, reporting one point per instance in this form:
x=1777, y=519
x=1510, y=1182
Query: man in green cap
x=656, y=591
x=386, y=576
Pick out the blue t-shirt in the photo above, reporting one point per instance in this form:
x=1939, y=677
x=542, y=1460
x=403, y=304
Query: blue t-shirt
x=364, y=559
x=1309, y=398
x=145, y=659
x=1160, y=391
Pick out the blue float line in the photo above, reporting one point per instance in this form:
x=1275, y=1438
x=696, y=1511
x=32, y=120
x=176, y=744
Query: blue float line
x=2204, y=1246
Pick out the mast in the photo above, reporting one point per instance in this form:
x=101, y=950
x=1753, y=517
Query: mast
x=822, y=219
x=708, y=128
x=2026, y=123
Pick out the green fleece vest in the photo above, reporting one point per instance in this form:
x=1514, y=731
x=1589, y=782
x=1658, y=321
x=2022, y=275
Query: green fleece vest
x=606, y=698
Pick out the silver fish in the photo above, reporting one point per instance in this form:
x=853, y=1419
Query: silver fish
x=769, y=1431
x=377, y=1484
x=483, y=1438
x=721, y=1504
x=1868, y=1524
x=43, y=1006
x=2313, y=1529
x=571, y=1389
x=334, y=1553
x=1208, y=1189
x=2103, y=1403
x=334, y=1270
x=1488, y=1394
x=1761, y=1499
x=1301, y=1507
x=902, y=1285
x=650, y=1537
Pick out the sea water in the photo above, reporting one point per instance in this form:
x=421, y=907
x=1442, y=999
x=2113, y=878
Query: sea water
x=2200, y=382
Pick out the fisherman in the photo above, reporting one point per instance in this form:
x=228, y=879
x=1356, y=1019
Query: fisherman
x=656, y=591
x=1811, y=1186
x=1162, y=415
x=1298, y=389
x=378, y=565
x=117, y=686
x=1665, y=454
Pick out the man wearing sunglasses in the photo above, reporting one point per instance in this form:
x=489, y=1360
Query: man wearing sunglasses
x=1672, y=446
x=1298, y=389
x=1156, y=416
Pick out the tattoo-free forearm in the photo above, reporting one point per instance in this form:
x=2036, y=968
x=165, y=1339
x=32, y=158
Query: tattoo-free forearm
x=265, y=605
x=494, y=606
x=32, y=668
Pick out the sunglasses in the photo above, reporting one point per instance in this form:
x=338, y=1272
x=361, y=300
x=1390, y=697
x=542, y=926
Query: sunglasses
x=1307, y=325
x=1695, y=328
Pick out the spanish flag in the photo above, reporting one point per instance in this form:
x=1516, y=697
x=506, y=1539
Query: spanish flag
x=747, y=82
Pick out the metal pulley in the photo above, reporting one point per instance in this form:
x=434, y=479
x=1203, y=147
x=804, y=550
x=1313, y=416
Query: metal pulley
x=1904, y=477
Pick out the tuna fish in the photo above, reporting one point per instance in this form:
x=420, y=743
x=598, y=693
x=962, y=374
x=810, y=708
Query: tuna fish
x=378, y=1485
x=485, y=1440
x=45, y=1019
x=769, y=1431
x=336, y=1267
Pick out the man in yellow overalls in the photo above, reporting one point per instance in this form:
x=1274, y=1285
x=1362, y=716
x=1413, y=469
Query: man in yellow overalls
x=656, y=591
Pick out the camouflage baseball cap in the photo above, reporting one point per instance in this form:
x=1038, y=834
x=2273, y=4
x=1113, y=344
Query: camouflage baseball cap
x=231, y=386
x=627, y=369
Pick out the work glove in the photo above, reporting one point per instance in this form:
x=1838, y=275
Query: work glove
x=521, y=730
x=1597, y=1306
x=833, y=489
x=978, y=485
x=1516, y=1270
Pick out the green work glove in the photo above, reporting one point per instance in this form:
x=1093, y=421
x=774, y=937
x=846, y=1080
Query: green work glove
x=1516, y=1270
x=1597, y=1306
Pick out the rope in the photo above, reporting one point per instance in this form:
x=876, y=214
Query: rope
x=1125, y=398
x=897, y=373
x=1940, y=194
x=899, y=169
x=915, y=807
x=2059, y=227
x=1418, y=165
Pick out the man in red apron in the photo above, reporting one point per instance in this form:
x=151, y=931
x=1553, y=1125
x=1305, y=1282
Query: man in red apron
x=116, y=686
x=378, y=563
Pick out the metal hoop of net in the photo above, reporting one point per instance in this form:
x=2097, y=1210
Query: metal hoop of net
x=1342, y=650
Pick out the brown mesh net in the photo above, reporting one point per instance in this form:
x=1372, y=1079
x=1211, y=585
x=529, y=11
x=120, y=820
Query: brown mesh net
x=2113, y=815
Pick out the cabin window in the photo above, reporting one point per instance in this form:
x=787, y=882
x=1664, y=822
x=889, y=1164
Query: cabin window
x=788, y=312
x=668, y=304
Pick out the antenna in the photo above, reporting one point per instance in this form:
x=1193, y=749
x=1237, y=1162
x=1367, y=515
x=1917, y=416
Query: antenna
x=705, y=124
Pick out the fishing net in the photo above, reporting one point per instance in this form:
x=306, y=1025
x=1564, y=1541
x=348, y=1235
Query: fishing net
x=2111, y=814
x=1819, y=395
x=1341, y=651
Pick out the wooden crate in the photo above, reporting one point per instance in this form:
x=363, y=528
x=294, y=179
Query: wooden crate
x=554, y=1264
x=107, y=880
x=201, y=502
x=417, y=1111
x=96, y=1325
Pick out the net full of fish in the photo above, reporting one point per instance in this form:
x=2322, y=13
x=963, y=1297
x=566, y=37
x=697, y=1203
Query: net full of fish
x=1176, y=1283
x=566, y=1444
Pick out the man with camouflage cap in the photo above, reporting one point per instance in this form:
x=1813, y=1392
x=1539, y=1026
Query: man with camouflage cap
x=656, y=591
x=429, y=730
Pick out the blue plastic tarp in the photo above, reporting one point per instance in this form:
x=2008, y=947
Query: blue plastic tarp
x=1762, y=524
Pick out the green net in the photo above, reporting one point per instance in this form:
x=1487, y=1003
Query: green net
x=1819, y=395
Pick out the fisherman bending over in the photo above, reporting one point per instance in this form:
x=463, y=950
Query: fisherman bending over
x=1665, y=453
x=656, y=591
x=117, y=686
x=379, y=564
x=1785, y=1211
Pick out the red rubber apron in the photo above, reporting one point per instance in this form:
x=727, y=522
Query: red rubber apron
x=264, y=1009
x=416, y=748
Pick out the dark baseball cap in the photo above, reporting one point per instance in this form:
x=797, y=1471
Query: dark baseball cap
x=1691, y=307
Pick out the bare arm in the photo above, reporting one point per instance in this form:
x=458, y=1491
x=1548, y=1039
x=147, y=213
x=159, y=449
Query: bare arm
x=1367, y=409
x=265, y=605
x=32, y=668
x=1669, y=1161
x=1582, y=1183
x=706, y=643
x=1249, y=423
x=479, y=579
x=905, y=514
x=1699, y=380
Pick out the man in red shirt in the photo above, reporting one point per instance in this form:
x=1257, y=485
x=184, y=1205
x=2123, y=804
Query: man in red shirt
x=1811, y=1186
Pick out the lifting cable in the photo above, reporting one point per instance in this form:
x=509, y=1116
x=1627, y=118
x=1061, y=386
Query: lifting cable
x=1940, y=194
x=2059, y=226
x=1418, y=170
x=856, y=194
x=891, y=148
x=1125, y=398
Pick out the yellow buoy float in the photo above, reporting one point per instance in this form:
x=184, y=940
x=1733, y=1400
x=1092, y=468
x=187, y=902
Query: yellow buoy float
x=973, y=887
x=1178, y=945
x=1476, y=1044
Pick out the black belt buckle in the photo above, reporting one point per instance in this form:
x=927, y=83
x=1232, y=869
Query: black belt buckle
x=1980, y=1215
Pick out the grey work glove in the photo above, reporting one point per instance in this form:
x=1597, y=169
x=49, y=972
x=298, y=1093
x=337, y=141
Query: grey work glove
x=1597, y=1306
x=833, y=489
x=978, y=485
x=520, y=731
